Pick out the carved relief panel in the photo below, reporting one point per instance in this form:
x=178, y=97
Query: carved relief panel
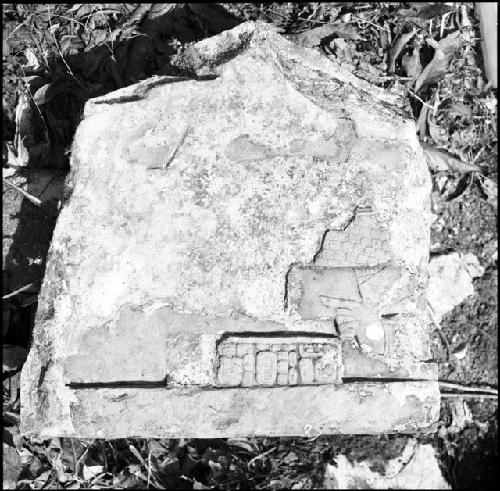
x=277, y=361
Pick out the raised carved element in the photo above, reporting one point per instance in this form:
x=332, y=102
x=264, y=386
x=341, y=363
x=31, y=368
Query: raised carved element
x=348, y=281
x=283, y=360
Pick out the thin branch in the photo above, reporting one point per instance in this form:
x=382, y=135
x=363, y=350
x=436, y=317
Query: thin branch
x=149, y=466
x=28, y=196
x=145, y=465
x=449, y=395
x=74, y=455
x=443, y=384
x=420, y=99
x=438, y=327
x=19, y=290
x=57, y=44
x=82, y=457
x=371, y=23
x=251, y=461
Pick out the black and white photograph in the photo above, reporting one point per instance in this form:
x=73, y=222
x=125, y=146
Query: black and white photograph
x=250, y=245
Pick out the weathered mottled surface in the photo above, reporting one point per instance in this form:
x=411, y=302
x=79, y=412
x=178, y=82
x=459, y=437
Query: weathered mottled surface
x=218, y=413
x=195, y=202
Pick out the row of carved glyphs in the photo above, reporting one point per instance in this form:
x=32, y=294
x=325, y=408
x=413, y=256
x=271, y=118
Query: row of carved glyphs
x=248, y=364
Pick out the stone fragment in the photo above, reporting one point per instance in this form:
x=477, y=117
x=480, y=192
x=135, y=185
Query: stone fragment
x=450, y=281
x=265, y=202
x=416, y=468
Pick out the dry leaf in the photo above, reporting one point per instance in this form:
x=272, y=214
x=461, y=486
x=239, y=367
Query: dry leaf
x=27, y=458
x=241, y=443
x=438, y=134
x=422, y=121
x=348, y=31
x=458, y=109
x=457, y=186
x=396, y=49
x=71, y=44
x=42, y=479
x=23, y=110
x=460, y=352
x=428, y=10
x=12, y=467
x=199, y=485
x=32, y=62
x=490, y=189
x=73, y=485
x=411, y=64
x=438, y=160
x=314, y=37
x=50, y=90
x=444, y=51
x=91, y=471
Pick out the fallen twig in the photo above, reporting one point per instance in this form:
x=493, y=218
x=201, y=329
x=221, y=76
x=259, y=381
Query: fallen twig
x=11, y=417
x=420, y=99
x=74, y=455
x=371, y=23
x=82, y=457
x=251, y=461
x=438, y=327
x=20, y=290
x=467, y=388
x=468, y=394
x=145, y=465
x=28, y=196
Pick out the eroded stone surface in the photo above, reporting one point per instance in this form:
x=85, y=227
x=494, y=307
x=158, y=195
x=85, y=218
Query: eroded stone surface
x=206, y=209
x=364, y=407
